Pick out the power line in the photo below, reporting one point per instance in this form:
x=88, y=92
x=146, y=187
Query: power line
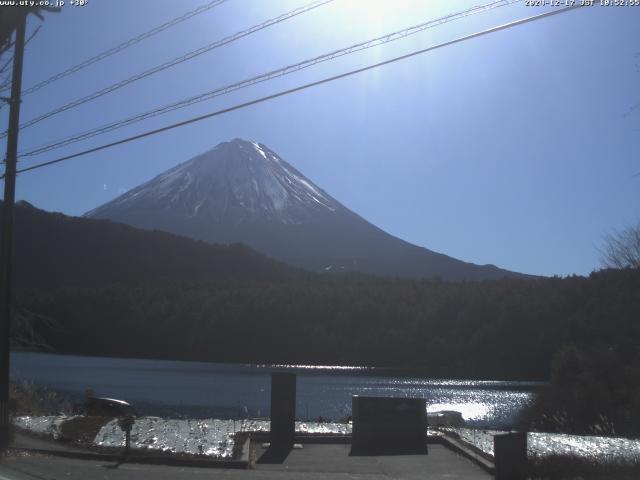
x=300, y=88
x=266, y=76
x=123, y=46
x=176, y=61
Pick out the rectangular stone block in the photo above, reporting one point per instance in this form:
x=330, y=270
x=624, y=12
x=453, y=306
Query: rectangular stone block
x=383, y=425
x=510, y=456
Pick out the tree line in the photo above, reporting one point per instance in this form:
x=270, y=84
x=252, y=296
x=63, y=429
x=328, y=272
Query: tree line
x=506, y=329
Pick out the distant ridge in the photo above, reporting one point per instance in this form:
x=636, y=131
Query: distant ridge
x=241, y=191
x=55, y=250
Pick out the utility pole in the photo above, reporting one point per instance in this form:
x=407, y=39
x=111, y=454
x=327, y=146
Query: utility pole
x=7, y=227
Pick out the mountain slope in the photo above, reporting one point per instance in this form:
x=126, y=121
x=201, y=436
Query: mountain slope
x=242, y=191
x=55, y=250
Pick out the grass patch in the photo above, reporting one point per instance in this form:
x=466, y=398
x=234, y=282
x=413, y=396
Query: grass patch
x=25, y=398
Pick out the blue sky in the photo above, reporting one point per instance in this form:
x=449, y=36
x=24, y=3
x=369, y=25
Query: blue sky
x=517, y=149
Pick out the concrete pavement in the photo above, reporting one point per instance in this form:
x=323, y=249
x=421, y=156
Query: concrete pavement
x=331, y=460
x=313, y=461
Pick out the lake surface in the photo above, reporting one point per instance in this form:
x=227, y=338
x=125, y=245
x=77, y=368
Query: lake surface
x=215, y=390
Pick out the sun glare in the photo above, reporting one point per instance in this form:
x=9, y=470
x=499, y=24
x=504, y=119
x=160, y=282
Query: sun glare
x=374, y=16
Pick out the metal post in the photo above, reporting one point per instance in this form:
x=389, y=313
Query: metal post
x=7, y=230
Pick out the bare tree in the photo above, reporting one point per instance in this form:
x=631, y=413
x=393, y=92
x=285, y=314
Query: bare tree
x=5, y=68
x=622, y=248
x=9, y=18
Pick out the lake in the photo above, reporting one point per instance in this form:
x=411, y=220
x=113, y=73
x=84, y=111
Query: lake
x=217, y=390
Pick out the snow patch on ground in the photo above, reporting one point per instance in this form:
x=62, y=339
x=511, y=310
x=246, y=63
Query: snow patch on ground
x=211, y=437
x=214, y=438
x=49, y=425
x=198, y=437
x=547, y=444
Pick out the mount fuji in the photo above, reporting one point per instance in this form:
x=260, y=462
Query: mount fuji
x=243, y=192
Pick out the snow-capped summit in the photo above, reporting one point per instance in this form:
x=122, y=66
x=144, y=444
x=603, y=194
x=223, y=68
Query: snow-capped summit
x=237, y=181
x=241, y=191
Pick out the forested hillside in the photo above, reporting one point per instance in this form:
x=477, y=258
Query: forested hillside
x=501, y=329
x=53, y=250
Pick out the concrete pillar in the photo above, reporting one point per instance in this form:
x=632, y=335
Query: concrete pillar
x=283, y=409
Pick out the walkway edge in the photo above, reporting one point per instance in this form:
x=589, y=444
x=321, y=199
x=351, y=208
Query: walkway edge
x=151, y=458
x=466, y=450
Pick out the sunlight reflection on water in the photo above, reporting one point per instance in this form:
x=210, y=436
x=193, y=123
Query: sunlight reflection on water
x=209, y=390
